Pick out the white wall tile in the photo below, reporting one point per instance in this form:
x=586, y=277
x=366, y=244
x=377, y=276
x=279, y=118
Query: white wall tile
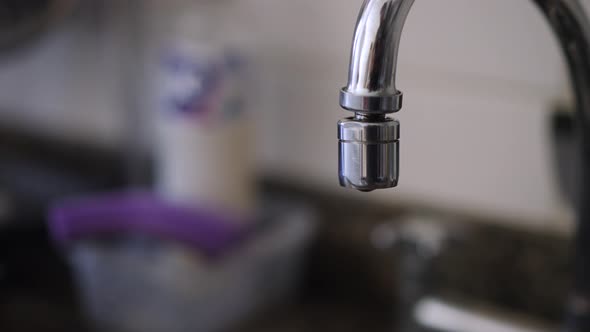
x=478, y=75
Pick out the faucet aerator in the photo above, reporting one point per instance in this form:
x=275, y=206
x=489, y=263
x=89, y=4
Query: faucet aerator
x=368, y=152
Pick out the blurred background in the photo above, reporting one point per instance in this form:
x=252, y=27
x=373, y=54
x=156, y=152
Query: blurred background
x=171, y=166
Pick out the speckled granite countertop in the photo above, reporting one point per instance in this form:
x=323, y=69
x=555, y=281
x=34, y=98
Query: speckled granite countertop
x=350, y=285
x=513, y=270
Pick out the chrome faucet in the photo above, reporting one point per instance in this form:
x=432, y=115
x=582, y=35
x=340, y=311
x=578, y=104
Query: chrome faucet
x=369, y=140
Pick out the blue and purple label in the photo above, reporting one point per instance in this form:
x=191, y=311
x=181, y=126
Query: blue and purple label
x=202, y=86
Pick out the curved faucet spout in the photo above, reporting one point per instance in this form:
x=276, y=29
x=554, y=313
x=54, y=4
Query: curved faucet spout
x=374, y=56
x=369, y=141
x=371, y=84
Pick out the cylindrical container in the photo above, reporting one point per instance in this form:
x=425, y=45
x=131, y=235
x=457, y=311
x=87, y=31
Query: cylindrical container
x=203, y=144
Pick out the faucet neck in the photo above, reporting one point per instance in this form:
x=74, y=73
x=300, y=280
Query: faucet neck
x=373, y=60
x=371, y=87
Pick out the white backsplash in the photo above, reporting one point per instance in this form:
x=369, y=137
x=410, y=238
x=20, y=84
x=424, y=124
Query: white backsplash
x=479, y=78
